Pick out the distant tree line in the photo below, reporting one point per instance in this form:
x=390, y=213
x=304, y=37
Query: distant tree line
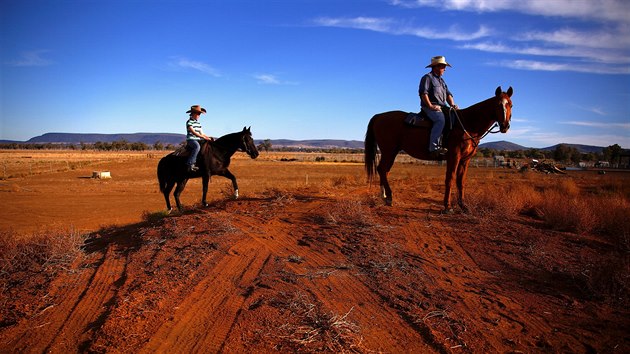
x=118, y=145
x=566, y=154
x=562, y=153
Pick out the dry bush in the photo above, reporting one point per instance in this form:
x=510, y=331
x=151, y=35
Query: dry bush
x=562, y=205
x=504, y=200
x=47, y=252
x=611, y=215
x=310, y=328
x=351, y=212
x=278, y=196
x=568, y=187
x=28, y=264
x=567, y=213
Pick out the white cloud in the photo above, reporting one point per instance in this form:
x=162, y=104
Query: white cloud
x=594, y=55
x=270, y=79
x=196, y=65
x=593, y=68
x=389, y=26
x=597, y=110
x=625, y=126
x=616, y=38
x=32, y=58
x=604, y=10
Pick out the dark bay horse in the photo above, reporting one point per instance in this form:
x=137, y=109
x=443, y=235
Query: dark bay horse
x=391, y=134
x=214, y=159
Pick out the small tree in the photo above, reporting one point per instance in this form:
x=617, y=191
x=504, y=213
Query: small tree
x=266, y=145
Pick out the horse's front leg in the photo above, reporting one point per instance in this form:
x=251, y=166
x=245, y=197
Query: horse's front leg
x=205, y=179
x=229, y=175
x=448, y=182
x=462, y=169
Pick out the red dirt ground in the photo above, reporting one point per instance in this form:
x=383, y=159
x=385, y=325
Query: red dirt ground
x=322, y=266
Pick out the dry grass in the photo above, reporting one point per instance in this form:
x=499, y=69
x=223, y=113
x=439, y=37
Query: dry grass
x=351, y=212
x=49, y=251
x=562, y=204
x=22, y=163
x=310, y=328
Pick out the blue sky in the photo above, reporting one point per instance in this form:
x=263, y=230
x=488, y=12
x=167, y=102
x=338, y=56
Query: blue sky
x=311, y=69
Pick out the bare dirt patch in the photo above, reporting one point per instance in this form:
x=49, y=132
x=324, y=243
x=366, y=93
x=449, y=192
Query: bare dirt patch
x=308, y=260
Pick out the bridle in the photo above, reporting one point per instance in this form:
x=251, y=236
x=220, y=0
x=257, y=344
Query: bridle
x=244, y=146
x=470, y=137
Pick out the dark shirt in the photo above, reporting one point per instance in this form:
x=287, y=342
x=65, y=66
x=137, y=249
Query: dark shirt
x=435, y=87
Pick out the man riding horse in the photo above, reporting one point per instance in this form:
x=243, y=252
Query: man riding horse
x=434, y=96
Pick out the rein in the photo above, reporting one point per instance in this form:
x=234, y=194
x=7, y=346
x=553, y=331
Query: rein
x=232, y=150
x=475, y=142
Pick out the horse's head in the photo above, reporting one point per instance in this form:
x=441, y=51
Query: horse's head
x=247, y=143
x=504, y=108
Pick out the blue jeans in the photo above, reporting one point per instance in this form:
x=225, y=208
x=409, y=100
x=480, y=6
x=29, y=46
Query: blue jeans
x=194, y=147
x=437, y=117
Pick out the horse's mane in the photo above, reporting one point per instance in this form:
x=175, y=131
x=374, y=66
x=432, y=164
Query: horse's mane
x=478, y=105
x=227, y=137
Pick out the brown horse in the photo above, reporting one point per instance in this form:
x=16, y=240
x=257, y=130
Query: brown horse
x=391, y=134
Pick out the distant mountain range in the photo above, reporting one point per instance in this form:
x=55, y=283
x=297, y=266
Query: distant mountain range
x=508, y=146
x=176, y=139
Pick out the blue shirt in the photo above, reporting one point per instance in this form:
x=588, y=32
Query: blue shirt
x=196, y=127
x=435, y=87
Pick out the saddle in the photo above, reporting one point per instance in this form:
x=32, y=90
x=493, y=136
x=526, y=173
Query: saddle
x=421, y=120
x=184, y=151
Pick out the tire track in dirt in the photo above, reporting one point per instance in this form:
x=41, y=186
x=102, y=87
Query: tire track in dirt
x=326, y=274
x=83, y=302
x=206, y=315
x=471, y=294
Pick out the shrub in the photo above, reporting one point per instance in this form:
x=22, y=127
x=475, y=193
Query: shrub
x=351, y=212
x=47, y=252
x=566, y=213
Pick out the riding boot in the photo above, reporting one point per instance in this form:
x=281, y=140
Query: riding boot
x=193, y=168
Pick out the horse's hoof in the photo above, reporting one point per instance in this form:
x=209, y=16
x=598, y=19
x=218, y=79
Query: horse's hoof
x=205, y=205
x=448, y=211
x=388, y=202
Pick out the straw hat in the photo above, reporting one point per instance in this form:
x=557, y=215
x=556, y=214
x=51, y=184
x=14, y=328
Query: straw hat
x=437, y=61
x=197, y=109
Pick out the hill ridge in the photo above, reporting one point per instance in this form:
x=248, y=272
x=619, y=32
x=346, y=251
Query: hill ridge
x=176, y=139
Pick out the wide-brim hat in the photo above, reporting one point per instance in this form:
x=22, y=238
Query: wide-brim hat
x=437, y=61
x=196, y=109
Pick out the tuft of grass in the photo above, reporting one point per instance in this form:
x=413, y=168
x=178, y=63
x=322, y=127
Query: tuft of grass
x=153, y=217
x=310, y=328
x=351, y=212
x=504, y=201
x=278, y=196
x=566, y=213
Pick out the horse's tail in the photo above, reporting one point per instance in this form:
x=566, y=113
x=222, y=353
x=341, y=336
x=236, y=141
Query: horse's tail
x=161, y=174
x=370, y=151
